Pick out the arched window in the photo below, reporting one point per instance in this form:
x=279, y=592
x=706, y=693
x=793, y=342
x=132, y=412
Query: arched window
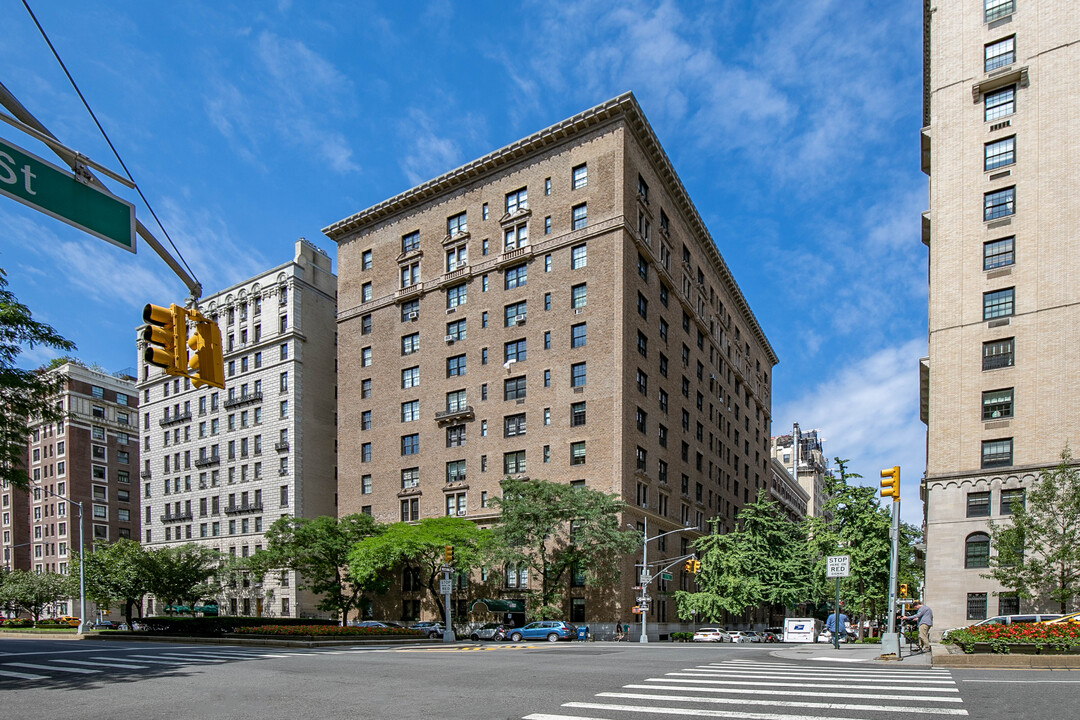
x=977, y=550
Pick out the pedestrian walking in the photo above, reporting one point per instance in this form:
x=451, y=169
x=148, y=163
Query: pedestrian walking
x=924, y=618
x=618, y=631
x=837, y=625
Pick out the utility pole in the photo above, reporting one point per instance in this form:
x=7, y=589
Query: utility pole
x=890, y=487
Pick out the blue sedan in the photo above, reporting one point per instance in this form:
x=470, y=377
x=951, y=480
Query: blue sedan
x=550, y=630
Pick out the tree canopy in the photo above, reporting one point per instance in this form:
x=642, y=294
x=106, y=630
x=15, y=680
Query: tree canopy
x=32, y=591
x=181, y=575
x=554, y=529
x=1038, y=552
x=116, y=574
x=25, y=395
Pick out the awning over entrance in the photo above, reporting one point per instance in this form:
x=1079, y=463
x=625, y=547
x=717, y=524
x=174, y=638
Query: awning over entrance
x=499, y=606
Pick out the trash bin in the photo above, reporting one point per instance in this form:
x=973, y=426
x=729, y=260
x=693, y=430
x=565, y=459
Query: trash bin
x=583, y=633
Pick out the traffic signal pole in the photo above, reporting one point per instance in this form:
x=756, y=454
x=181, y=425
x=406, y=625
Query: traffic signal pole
x=890, y=641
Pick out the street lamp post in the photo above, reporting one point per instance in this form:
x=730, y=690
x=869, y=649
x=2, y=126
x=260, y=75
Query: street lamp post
x=646, y=576
x=82, y=563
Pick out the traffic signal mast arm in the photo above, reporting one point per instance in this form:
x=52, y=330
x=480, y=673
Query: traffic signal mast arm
x=78, y=165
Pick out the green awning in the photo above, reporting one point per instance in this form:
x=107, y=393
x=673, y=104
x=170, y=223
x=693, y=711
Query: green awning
x=499, y=606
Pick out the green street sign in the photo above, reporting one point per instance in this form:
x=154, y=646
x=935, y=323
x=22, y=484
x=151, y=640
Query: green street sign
x=665, y=576
x=55, y=191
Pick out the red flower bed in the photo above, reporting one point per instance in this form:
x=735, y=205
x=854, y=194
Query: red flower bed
x=1026, y=632
x=325, y=631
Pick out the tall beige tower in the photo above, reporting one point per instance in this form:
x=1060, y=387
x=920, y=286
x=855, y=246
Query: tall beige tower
x=1000, y=101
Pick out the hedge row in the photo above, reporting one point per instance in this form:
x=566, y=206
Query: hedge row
x=325, y=630
x=219, y=625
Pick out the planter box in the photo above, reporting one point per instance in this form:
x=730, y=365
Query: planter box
x=1025, y=649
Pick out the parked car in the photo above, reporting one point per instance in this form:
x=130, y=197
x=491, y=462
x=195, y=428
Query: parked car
x=550, y=630
x=430, y=628
x=740, y=636
x=711, y=634
x=375, y=624
x=487, y=631
x=770, y=637
x=1070, y=618
x=104, y=625
x=1010, y=620
x=72, y=621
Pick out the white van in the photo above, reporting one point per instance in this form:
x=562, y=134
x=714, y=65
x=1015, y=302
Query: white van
x=801, y=630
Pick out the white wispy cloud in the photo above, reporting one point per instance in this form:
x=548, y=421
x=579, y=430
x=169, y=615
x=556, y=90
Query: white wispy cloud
x=429, y=153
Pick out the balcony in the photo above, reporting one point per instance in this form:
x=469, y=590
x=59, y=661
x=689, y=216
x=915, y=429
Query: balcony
x=462, y=413
x=169, y=518
x=146, y=474
x=243, y=508
x=243, y=400
x=282, y=446
x=207, y=461
x=176, y=420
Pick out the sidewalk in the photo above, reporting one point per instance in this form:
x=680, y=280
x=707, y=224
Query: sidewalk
x=850, y=653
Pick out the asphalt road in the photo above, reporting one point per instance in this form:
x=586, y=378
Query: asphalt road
x=524, y=681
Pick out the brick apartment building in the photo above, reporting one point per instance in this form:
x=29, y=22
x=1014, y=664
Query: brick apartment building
x=558, y=310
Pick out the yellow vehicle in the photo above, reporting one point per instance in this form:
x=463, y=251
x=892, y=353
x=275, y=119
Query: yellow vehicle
x=1070, y=618
x=72, y=621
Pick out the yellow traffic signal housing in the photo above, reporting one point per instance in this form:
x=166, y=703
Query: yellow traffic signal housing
x=206, y=363
x=689, y=566
x=890, y=487
x=448, y=554
x=166, y=336
x=697, y=566
x=903, y=590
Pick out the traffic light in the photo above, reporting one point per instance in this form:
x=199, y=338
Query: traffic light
x=903, y=590
x=448, y=554
x=166, y=336
x=697, y=566
x=206, y=363
x=891, y=486
x=689, y=566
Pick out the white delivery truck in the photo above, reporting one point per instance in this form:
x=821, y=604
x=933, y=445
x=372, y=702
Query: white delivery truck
x=801, y=630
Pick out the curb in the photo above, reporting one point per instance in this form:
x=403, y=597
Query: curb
x=261, y=642
x=942, y=657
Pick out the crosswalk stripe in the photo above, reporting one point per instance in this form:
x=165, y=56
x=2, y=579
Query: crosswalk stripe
x=700, y=713
x=785, y=703
x=97, y=664
x=22, y=676
x=808, y=676
x=841, y=686
x=191, y=658
x=796, y=693
x=154, y=659
x=34, y=666
x=813, y=672
x=758, y=663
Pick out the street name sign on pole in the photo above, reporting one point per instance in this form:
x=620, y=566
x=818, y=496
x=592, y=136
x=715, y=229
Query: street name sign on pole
x=40, y=185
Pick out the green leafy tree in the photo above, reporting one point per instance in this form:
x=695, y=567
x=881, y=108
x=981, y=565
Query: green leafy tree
x=1038, y=553
x=25, y=395
x=181, y=575
x=115, y=574
x=763, y=561
x=318, y=549
x=420, y=546
x=32, y=591
x=555, y=529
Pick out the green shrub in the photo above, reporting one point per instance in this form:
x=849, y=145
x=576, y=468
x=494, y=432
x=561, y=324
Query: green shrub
x=219, y=625
x=325, y=630
x=681, y=636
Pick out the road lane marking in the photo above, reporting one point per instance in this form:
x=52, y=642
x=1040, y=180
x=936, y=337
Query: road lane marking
x=53, y=668
x=651, y=710
x=839, y=686
x=22, y=676
x=796, y=693
x=786, y=703
x=809, y=676
x=153, y=659
x=97, y=664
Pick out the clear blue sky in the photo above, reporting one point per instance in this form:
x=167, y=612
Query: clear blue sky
x=794, y=127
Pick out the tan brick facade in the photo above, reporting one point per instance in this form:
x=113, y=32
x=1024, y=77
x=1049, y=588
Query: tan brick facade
x=662, y=342
x=980, y=140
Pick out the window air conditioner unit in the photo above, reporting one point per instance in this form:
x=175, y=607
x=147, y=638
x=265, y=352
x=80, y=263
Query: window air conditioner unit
x=578, y=311
x=461, y=512
x=414, y=316
x=519, y=319
x=448, y=338
x=451, y=311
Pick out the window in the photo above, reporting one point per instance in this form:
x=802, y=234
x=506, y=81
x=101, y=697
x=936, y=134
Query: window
x=410, y=478
x=410, y=274
x=999, y=54
x=577, y=375
x=998, y=253
x=579, y=217
x=410, y=242
x=366, y=292
x=976, y=606
x=547, y=186
x=577, y=335
x=514, y=425
x=410, y=411
x=456, y=330
x=998, y=303
x=643, y=267
x=579, y=177
x=579, y=257
x=410, y=310
x=410, y=444
x=997, y=404
x=577, y=414
x=577, y=453
x=999, y=103
x=515, y=313
x=456, y=224
x=978, y=504
x=365, y=455
x=365, y=420
x=999, y=153
x=515, y=237
x=547, y=301
x=365, y=388
x=997, y=354
x=455, y=365
x=455, y=295
x=1011, y=499
x=514, y=462
x=456, y=503
x=977, y=551
x=410, y=344
x=516, y=276
x=643, y=189
x=455, y=436
x=517, y=200
x=547, y=231
x=365, y=329
x=514, y=388
x=365, y=262
x=578, y=296
x=365, y=357
x=1008, y=604
x=514, y=351
x=996, y=9
x=642, y=344
x=997, y=453
x=455, y=401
